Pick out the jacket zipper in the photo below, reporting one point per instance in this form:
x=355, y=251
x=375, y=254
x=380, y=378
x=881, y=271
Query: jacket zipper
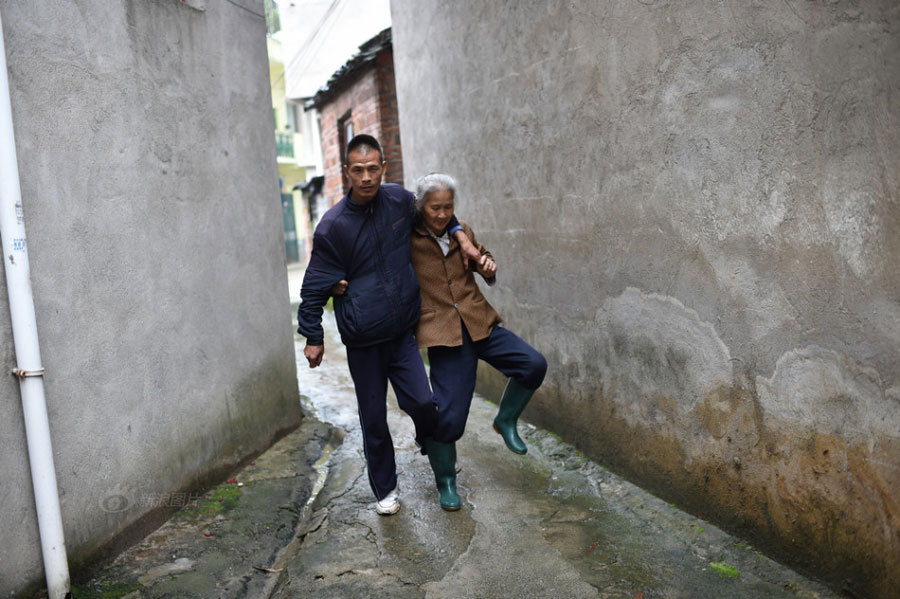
x=389, y=289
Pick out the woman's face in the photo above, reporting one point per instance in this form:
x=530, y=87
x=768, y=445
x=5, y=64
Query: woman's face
x=437, y=210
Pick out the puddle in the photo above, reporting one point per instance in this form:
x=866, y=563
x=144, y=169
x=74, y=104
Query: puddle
x=321, y=467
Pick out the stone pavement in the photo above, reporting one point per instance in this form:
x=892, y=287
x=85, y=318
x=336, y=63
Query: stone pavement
x=548, y=524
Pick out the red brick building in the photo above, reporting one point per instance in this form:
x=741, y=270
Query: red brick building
x=360, y=98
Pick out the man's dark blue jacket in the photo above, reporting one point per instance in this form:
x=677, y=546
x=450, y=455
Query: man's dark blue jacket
x=368, y=246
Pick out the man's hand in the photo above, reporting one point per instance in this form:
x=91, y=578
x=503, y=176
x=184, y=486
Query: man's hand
x=467, y=251
x=486, y=267
x=339, y=288
x=314, y=354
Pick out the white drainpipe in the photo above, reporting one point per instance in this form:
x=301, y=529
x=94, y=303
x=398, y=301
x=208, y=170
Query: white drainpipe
x=28, y=355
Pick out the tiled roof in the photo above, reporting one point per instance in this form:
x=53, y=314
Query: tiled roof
x=347, y=73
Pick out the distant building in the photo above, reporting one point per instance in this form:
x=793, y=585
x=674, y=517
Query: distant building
x=296, y=148
x=319, y=36
x=315, y=39
x=296, y=142
x=360, y=98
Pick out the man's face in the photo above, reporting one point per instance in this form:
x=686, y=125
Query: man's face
x=364, y=169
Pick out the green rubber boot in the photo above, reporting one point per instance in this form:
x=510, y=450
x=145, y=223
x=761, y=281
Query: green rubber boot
x=512, y=403
x=443, y=462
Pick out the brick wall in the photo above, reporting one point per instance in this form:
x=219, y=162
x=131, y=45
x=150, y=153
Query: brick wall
x=371, y=100
x=360, y=99
x=390, y=121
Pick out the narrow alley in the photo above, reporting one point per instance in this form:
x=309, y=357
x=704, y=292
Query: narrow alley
x=548, y=524
x=688, y=209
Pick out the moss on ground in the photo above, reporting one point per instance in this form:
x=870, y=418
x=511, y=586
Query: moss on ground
x=724, y=570
x=220, y=499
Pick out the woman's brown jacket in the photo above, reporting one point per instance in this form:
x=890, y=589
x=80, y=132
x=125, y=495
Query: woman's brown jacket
x=449, y=292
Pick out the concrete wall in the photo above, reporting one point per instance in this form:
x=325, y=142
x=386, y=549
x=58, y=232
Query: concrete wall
x=147, y=161
x=694, y=206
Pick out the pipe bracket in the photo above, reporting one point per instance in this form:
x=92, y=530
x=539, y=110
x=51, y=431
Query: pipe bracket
x=25, y=373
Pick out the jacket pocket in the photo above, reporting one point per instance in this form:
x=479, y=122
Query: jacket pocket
x=344, y=313
x=365, y=318
x=426, y=316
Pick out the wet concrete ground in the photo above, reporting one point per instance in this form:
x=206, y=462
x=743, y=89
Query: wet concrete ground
x=222, y=543
x=548, y=524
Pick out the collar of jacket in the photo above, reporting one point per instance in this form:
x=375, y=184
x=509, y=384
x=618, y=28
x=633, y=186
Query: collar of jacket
x=419, y=227
x=362, y=207
x=421, y=231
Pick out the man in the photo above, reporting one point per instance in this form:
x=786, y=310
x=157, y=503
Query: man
x=365, y=240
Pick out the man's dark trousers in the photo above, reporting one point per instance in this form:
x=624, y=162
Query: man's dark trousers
x=371, y=367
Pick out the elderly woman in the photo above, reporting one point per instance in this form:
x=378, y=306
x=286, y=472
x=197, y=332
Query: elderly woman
x=459, y=327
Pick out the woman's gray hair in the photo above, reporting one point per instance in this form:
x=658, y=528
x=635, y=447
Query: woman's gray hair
x=433, y=182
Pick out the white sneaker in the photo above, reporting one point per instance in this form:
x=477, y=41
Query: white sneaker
x=389, y=505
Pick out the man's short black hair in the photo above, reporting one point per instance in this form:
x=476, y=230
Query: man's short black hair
x=367, y=141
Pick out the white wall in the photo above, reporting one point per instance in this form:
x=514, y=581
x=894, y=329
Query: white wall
x=694, y=208
x=147, y=160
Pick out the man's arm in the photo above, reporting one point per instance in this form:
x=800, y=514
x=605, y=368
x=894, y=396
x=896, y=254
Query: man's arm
x=485, y=265
x=467, y=251
x=322, y=272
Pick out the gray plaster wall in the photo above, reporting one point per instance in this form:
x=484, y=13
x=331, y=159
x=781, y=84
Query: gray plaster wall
x=147, y=162
x=695, y=207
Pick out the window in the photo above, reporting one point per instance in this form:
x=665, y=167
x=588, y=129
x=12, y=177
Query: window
x=290, y=111
x=345, y=134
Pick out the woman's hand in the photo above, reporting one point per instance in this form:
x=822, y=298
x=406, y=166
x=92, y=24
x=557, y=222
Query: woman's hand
x=486, y=267
x=339, y=288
